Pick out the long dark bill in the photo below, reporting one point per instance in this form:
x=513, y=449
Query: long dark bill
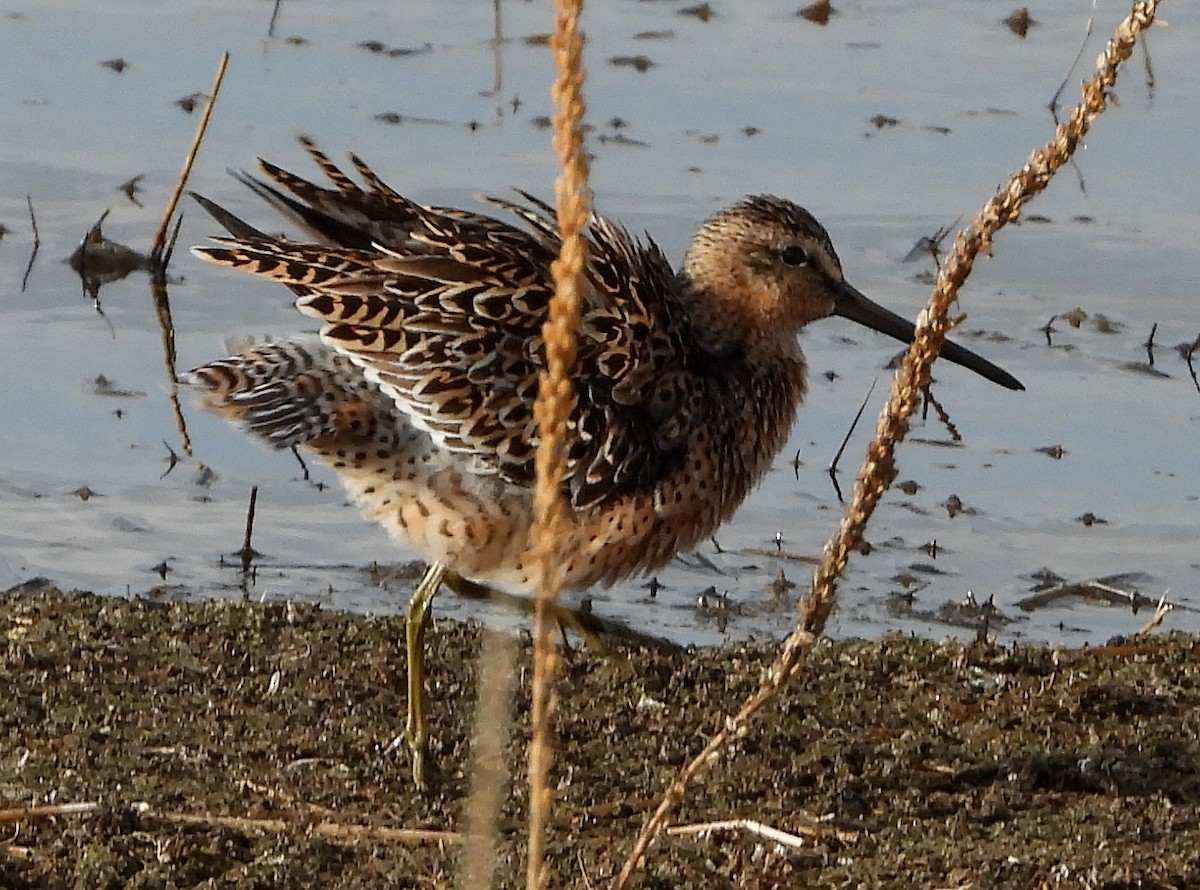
x=852, y=304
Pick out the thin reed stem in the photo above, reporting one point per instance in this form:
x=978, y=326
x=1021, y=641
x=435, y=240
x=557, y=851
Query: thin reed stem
x=160, y=238
x=553, y=407
x=879, y=469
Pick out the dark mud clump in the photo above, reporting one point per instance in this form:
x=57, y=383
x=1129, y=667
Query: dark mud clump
x=239, y=745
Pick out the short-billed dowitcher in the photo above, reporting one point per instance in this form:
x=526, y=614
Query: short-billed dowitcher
x=419, y=389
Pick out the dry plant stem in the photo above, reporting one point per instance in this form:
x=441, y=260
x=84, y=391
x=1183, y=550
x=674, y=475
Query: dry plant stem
x=247, y=552
x=1160, y=613
x=553, y=407
x=166, y=328
x=879, y=469
x=160, y=239
x=37, y=243
x=493, y=727
x=49, y=811
x=769, y=832
x=336, y=831
x=160, y=256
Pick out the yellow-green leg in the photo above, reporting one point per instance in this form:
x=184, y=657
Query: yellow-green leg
x=416, y=732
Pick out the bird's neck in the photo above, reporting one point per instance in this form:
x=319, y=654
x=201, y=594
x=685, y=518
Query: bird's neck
x=750, y=415
x=754, y=375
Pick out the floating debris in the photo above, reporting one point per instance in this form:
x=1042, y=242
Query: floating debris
x=928, y=245
x=395, y=118
x=953, y=505
x=701, y=11
x=394, y=52
x=132, y=187
x=191, y=102
x=968, y=612
x=1144, y=368
x=1074, y=317
x=98, y=261
x=641, y=64
x=102, y=386
x=818, y=13
x=1019, y=21
x=1115, y=590
x=780, y=586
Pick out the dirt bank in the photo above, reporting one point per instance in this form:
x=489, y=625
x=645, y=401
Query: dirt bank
x=238, y=745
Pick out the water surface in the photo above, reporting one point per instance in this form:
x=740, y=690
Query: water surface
x=753, y=100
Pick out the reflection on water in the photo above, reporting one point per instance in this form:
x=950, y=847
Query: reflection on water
x=1088, y=475
x=99, y=261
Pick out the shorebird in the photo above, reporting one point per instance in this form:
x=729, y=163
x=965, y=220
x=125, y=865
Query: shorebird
x=419, y=389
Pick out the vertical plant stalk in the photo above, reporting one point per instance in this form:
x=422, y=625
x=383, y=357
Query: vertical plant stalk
x=489, y=775
x=554, y=403
x=879, y=469
x=160, y=237
x=160, y=256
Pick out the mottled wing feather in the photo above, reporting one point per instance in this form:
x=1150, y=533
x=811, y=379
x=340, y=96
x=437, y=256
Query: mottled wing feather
x=288, y=392
x=302, y=267
x=443, y=309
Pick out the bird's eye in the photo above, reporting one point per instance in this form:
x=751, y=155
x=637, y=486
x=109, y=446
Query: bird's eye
x=794, y=255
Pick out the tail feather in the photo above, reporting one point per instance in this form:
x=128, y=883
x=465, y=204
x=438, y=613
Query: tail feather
x=291, y=392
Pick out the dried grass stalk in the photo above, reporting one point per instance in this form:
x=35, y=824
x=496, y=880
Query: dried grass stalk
x=879, y=469
x=553, y=407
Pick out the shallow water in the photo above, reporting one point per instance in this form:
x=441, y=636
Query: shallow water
x=753, y=100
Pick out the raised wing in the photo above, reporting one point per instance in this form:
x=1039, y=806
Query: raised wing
x=444, y=309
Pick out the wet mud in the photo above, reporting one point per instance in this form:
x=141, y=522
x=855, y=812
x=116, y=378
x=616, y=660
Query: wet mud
x=257, y=745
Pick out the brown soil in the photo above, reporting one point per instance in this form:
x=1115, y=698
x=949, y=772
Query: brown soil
x=237, y=745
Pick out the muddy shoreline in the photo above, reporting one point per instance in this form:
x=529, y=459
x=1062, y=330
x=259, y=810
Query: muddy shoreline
x=245, y=745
